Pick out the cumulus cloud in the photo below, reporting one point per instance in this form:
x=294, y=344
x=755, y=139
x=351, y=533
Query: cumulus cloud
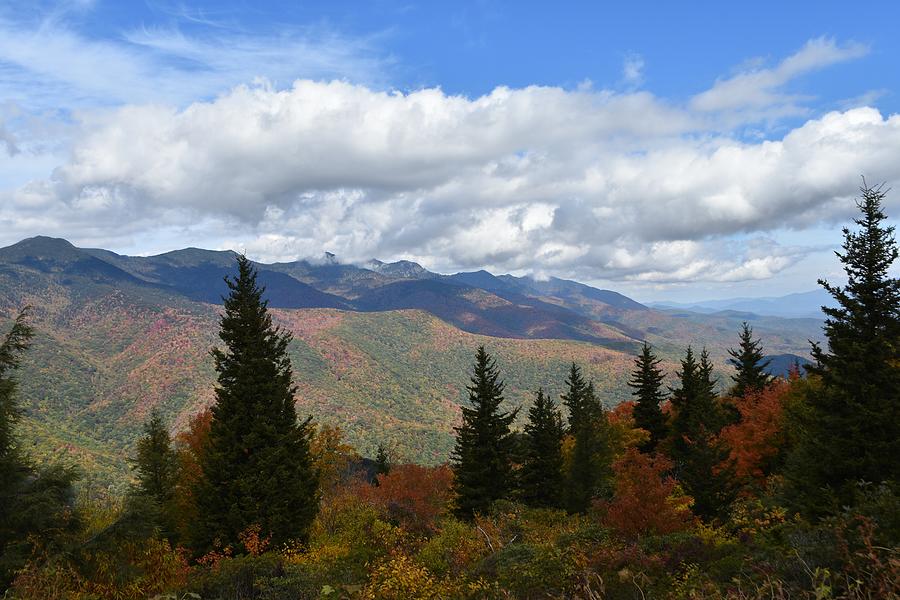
x=584, y=183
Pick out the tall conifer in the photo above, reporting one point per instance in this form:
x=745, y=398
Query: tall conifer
x=35, y=504
x=481, y=459
x=851, y=432
x=693, y=446
x=574, y=397
x=156, y=462
x=589, y=469
x=256, y=469
x=156, y=466
x=749, y=364
x=646, y=380
x=541, y=478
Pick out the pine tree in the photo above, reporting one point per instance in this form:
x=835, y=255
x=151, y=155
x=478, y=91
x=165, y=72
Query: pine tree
x=646, y=380
x=257, y=468
x=156, y=464
x=574, y=398
x=541, y=478
x=851, y=431
x=482, y=456
x=749, y=363
x=13, y=466
x=382, y=462
x=35, y=504
x=693, y=446
x=589, y=470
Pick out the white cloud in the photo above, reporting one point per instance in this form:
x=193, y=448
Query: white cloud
x=597, y=184
x=585, y=183
x=758, y=91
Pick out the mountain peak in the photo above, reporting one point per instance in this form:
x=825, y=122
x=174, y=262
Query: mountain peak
x=43, y=248
x=404, y=269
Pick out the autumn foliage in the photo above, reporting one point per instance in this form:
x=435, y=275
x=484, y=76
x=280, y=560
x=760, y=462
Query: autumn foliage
x=646, y=501
x=412, y=495
x=754, y=441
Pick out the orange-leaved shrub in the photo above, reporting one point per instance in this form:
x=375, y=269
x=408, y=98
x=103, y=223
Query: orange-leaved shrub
x=190, y=446
x=754, y=442
x=414, y=496
x=646, y=500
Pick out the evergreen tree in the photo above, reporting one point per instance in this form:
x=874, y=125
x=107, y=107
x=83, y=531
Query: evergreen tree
x=851, y=431
x=574, y=398
x=382, y=462
x=693, y=446
x=749, y=363
x=256, y=468
x=13, y=466
x=646, y=380
x=156, y=464
x=35, y=504
x=541, y=478
x=482, y=456
x=589, y=472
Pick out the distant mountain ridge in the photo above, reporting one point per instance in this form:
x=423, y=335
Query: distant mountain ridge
x=799, y=305
x=477, y=302
x=382, y=349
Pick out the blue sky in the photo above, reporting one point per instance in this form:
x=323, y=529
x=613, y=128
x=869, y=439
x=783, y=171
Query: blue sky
x=668, y=150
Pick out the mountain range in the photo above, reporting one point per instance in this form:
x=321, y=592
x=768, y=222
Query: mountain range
x=801, y=305
x=381, y=349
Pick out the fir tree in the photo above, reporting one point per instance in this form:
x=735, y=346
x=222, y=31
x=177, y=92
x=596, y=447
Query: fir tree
x=590, y=466
x=851, y=430
x=646, y=380
x=13, y=467
x=35, y=504
x=482, y=456
x=574, y=398
x=749, y=364
x=382, y=462
x=541, y=477
x=156, y=464
x=693, y=444
x=256, y=468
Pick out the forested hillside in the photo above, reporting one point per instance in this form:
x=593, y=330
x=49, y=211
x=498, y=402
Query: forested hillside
x=379, y=351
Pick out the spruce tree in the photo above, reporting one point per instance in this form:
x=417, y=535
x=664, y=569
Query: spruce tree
x=541, y=478
x=574, y=398
x=13, y=466
x=35, y=503
x=646, y=380
x=481, y=459
x=256, y=468
x=851, y=430
x=693, y=446
x=590, y=465
x=156, y=464
x=382, y=462
x=749, y=364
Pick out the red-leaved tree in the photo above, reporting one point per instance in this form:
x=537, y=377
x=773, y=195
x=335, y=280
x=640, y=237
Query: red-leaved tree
x=412, y=495
x=754, y=441
x=646, y=500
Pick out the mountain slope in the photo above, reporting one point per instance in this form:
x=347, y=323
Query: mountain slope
x=385, y=357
